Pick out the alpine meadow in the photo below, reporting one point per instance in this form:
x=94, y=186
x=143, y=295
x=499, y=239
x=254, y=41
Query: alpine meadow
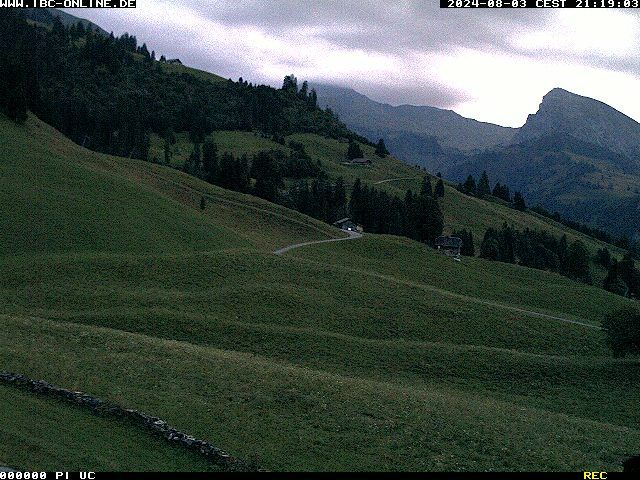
x=200, y=274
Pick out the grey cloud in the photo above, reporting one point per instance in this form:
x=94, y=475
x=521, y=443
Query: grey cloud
x=397, y=28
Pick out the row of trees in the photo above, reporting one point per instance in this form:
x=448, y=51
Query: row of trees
x=537, y=249
x=481, y=189
x=468, y=248
x=623, y=241
x=418, y=216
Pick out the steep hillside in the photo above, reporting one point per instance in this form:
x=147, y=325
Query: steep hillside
x=97, y=203
x=376, y=353
x=563, y=112
x=46, y=16
x=581, y=180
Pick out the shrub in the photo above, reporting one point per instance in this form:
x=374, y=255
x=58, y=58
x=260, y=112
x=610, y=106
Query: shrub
x=622, y=330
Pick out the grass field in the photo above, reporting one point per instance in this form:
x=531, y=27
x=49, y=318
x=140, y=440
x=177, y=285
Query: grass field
x=369, y=354
x=42, y=434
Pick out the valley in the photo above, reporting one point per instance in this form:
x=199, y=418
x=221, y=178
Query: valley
x=168, y=245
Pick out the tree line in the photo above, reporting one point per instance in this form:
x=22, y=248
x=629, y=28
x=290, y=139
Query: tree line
x=481, y=189
x=417, y=216
x=537, y=249
x=110, y=93
x=623, y=241
x=296, y=181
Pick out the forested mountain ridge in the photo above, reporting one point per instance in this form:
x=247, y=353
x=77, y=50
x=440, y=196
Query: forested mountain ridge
x=110, y=94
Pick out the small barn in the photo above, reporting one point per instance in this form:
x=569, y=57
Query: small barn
x=449, y=245
x=348, y=225
x=174, y=61
x=361, y=161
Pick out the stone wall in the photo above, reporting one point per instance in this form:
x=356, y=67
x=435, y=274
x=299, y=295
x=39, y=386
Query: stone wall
x=154, y=425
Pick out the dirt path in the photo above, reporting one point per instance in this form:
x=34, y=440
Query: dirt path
x=352, y=236
x=395, y=180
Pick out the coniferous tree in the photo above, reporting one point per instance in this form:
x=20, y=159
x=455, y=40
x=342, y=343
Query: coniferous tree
x=468, y=248
x=431, y=222
x=381, y=149
x=339, y=199
x=563, y=248
x=354, y=150
x=193, y=165
x=630, y=275
x=518, y=202
x=469, y=186
x=167, y=151
x=268, y=176
x=439, y=190
x=578, y=261
x=603, y=257
x=613, y=283
x=483, y=186
x=426, y=189
x=210, y=165
x=290, y=84
x=489, y=248
x=16, y=105
x=304, y=90
x=622, y=331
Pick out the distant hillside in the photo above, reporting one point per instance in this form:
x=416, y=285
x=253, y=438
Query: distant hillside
x=412, y=132
x=588, y=120
x=584, y=182
x=46, y=16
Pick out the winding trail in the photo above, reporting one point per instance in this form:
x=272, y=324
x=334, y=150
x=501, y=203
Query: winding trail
x=352, y=236
x=395, y=180
x=431, y=288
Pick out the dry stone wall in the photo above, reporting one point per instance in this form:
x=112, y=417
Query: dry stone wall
x=154, y=425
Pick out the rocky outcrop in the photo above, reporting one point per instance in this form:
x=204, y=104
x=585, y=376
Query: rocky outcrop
x=154, y=425
x=586, y=119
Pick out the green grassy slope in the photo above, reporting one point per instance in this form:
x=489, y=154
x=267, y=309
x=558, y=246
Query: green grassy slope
x=39, y=433
x=371, y=354
x=288, y=417
x=58, y=197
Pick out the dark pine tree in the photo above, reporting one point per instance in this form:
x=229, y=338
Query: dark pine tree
x=483, y=186
x=518, y=202
x=426, y=190
x=354, y=150
x=439, y=191
x=381, y=149
x=578, y=261
x=210, y=165
x=489, y=248
x=469, y=186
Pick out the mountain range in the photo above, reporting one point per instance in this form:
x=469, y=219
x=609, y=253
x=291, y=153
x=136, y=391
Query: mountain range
x=576, y=155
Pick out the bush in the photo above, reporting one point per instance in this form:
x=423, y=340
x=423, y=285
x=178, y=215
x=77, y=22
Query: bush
x=622, y=330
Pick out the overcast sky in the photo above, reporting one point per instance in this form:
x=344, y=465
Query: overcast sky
x=491, y=65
